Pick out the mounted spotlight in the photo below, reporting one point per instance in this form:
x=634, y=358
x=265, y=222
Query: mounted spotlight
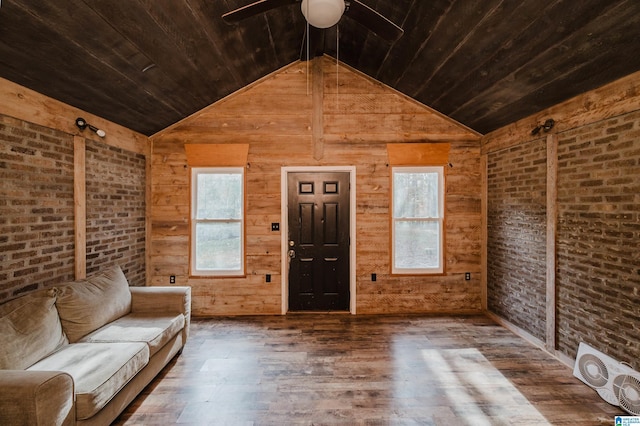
x=82, y=124
x=546, y=126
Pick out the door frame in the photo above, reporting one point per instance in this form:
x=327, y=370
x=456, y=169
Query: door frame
x=284, y=229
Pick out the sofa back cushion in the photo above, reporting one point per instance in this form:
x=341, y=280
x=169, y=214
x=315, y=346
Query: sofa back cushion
x=30, y=329
x=87, y=305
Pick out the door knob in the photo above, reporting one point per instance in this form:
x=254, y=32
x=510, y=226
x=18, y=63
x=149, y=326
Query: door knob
x=292, y=254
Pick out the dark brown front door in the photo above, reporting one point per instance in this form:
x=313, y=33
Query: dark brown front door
x=318, y=241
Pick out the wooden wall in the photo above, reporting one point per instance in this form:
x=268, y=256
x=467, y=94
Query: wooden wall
x=55, y=180
x=563, y=207
x=331, y=116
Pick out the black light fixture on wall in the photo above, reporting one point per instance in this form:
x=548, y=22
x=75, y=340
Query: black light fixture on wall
x=546, y=126
x=82, y=124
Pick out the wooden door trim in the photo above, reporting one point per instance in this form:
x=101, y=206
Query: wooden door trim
x=284, y=229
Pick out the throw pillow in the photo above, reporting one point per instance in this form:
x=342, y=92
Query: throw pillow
x=87, y=305
x=30, y=329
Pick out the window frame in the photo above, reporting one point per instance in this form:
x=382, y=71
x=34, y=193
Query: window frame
x=194, y=221
x=441, y=220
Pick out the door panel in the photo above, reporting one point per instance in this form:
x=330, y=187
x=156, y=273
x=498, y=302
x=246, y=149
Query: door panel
x=318, y=241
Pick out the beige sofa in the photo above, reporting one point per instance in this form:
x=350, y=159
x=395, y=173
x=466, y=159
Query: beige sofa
x=79, y=353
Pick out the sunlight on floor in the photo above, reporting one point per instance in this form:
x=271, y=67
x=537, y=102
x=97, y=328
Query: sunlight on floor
x=476, y=391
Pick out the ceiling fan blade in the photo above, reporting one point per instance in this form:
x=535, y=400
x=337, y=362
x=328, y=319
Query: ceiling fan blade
x=373, y=20
x=316, y=43
x=254, y=9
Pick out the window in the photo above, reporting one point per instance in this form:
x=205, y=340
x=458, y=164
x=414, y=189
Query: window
x=217, y=221
x=417, y=220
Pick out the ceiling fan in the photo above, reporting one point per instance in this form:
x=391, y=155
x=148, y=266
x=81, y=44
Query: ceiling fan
x=322, y=14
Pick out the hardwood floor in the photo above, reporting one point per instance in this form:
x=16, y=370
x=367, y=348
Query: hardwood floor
x=363, y=370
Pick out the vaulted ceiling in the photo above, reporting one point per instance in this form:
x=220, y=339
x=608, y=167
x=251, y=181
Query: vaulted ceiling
x=146, y=64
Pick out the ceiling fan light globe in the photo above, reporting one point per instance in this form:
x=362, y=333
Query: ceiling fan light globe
x=322, y=13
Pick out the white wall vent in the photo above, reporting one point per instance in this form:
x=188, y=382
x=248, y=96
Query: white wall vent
x=615, y=382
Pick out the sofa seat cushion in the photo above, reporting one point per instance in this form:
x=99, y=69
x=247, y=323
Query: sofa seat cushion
x=99, y=370
x=152, y=329
x=30, y=329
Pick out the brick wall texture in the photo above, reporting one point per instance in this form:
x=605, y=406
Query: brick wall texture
x=37, y=208
x=598, y=260
x=516, y=228
x=115, y=210
x=597, y=241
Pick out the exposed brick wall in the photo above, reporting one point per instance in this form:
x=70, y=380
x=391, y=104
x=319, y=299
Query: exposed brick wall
x=36, y=207
x=598, y=270
x=115, y=210
x=516, y=183
x=598, y=237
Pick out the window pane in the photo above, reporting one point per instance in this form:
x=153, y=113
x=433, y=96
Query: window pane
x=219, y=246
x=219, y=196
x=417, y=245
x=415, y=195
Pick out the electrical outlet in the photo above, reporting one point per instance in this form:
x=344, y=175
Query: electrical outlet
x=275, y=226
x=172, y=279
x=374, y=277
x=268, y=278
x=467, y=276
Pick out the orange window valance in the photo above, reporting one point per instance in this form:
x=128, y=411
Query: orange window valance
x=418, y=154
x=216, y=155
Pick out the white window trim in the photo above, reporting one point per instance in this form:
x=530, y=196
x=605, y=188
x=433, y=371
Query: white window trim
x=193, y=271
x=440, y=220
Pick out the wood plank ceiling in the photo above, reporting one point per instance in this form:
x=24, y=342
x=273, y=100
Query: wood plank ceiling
x=146, y=64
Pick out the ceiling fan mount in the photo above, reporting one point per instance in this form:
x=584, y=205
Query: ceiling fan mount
x=322, y=14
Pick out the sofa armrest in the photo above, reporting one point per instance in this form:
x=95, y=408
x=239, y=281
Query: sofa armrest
x=163, y=299
x=36, y=398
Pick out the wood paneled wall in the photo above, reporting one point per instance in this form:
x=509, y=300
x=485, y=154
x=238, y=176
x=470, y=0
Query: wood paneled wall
x=300, y=117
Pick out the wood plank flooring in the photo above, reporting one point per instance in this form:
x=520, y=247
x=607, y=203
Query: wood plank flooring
x=363, y=370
